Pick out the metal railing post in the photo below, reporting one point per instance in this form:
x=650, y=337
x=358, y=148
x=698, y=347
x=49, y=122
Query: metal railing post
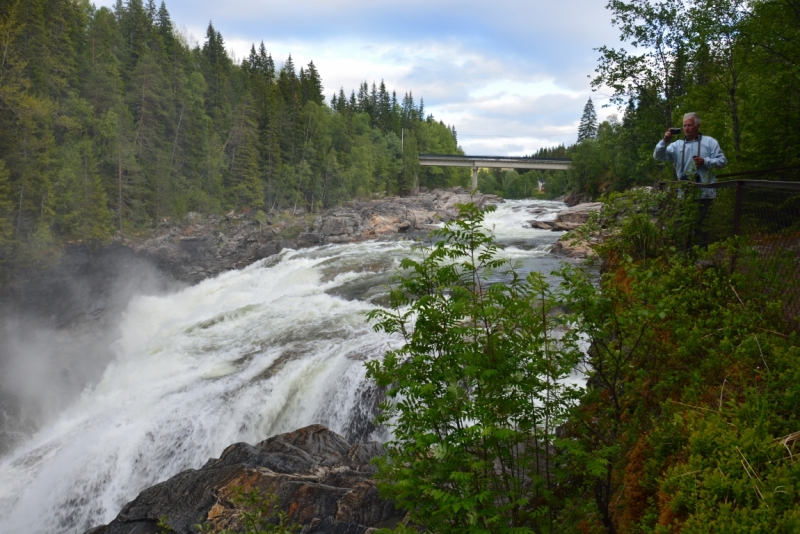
x=737, y=208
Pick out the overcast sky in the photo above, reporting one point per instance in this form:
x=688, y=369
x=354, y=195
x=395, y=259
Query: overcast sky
x=510, y=75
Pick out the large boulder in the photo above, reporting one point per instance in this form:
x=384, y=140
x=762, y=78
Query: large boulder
x=579, y=213
x=319, y=479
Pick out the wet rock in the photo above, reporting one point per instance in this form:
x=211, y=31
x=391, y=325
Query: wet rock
x=322, y=482
x=579, y=213
x=265, y=251
x=575, y=198
x=561, y=226
x=309, y=240
x=580, y=250
x=541, y=225
x=339, y=226
x=570, y=219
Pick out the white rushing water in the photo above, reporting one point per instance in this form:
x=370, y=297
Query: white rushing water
x=240, y=357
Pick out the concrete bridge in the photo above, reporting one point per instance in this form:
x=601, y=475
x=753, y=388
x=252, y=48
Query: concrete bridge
x=476, y=162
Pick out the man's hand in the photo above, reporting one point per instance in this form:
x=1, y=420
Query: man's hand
x=698, y=161
x=668, y=135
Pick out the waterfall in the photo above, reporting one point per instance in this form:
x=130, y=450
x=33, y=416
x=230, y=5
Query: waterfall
x=239, y=357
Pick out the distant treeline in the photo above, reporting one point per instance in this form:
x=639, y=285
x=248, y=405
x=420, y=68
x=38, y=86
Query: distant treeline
x=110, y=121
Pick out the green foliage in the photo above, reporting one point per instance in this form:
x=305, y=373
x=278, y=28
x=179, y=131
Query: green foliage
x=260, y=514
x=644, y=224
x=478, y=390
x=733, y=62
x=688, y=419
x=692, y=379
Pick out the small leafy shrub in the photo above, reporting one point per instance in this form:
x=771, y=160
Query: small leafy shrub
x=478, y=391
x=643, y=223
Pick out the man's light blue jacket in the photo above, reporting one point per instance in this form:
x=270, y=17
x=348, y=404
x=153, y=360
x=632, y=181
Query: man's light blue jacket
x=704, y=146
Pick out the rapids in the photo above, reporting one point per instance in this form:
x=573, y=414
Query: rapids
x=240, y=357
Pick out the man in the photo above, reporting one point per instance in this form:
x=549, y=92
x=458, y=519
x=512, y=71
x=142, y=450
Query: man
x=694, y=158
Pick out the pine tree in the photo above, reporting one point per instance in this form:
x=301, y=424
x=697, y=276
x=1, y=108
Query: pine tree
x=135, y=25
x=588, y=126
x=267, y=63
x=151, y=10
x=149, y=98
x=384, y=110
x=215, y=70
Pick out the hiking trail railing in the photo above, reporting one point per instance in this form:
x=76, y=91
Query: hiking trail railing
x=766, y=213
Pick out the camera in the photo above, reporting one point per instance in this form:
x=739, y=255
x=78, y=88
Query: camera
x=675, y=131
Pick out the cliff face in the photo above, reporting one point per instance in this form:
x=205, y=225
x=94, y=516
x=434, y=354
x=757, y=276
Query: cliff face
x=321, y=481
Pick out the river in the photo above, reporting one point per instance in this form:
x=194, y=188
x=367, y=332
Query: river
x=239, y=357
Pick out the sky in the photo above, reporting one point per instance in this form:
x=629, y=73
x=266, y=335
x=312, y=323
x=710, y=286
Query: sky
x=512, y=76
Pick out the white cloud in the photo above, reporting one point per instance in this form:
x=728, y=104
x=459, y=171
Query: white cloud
x=511, y=76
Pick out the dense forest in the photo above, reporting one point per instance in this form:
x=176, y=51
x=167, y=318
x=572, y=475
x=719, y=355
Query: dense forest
x=110, y=122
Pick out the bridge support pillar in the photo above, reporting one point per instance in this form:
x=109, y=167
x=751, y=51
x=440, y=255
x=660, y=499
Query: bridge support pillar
x=474, y=178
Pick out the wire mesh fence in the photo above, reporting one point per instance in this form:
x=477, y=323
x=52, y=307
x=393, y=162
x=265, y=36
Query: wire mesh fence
x=765, y=217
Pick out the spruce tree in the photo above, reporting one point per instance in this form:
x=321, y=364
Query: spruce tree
x=244, y=179
x=313, y=89
x=164, y=26
x=384, y=110
x=588, y=126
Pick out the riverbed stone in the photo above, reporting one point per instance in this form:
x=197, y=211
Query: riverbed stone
x=580, y=213
x=267, y=250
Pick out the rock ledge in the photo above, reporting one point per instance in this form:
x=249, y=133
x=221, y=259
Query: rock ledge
x=322, y=482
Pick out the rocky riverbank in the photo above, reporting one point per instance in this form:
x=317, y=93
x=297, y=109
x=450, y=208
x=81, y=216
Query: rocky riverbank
x=566, y=221
x=85, y=284
x=89, y=285
x=213, y=244
x=320, y=480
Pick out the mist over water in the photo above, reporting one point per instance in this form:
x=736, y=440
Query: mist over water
x=240, y=357
x=56, y=334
